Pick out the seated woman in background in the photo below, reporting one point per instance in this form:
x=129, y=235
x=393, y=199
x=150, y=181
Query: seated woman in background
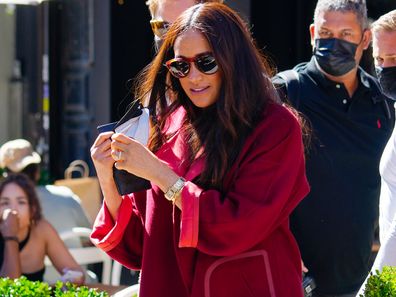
x=26, y=237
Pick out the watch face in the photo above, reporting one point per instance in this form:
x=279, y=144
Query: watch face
x=179, y=183
x=176, y=188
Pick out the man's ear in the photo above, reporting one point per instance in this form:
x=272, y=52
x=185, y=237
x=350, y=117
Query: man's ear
x=367, y=36
x=312, y=33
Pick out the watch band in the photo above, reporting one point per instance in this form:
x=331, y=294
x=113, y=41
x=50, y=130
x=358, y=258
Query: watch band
x=15, y=238
x=175, y=189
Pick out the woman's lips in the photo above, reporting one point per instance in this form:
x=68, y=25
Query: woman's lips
x=199, y=90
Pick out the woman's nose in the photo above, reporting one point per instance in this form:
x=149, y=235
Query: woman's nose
x=194, y=73
x=14, y=207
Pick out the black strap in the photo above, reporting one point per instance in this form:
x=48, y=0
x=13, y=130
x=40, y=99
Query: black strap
x=292, y=84
x=291, y=79
x=380, y=97
x=25, y=241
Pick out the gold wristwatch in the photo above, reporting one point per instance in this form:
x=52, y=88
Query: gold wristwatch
x=175, y=189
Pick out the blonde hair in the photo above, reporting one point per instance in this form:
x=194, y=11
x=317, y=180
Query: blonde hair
x=386, y=22
x=153, y=4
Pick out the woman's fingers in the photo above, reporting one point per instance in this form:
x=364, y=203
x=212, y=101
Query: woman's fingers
x=121, y=138
x=121, y=145
x=118, y=155
x=101, y=146
x=102, y=137
x=8, y=213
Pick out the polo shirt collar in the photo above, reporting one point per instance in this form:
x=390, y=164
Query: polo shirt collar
x=322, y=80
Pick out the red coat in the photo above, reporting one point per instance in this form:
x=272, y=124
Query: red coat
x=239, y=247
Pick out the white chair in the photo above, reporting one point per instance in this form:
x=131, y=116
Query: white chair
x=86, y=255
x=131, y=291
x=116, y=273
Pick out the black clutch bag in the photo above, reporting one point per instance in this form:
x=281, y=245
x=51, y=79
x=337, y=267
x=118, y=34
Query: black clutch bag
x=126, y=182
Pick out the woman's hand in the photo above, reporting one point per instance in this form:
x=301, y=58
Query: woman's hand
x=73, y=276
x=9, y=225
x=101, y=156
x=132, y=156
x=303, y=268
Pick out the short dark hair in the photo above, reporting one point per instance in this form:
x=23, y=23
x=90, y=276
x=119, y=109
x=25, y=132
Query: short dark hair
x=357, y=7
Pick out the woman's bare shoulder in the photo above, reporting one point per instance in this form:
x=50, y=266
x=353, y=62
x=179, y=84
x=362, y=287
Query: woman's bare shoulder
x=44, y=228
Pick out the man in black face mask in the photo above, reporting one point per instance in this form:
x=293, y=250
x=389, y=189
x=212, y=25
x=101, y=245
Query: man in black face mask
x=351, y=122
x=384, y=53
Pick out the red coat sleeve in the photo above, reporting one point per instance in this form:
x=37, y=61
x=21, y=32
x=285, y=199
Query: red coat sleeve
x=269, y=183
x=111, y=236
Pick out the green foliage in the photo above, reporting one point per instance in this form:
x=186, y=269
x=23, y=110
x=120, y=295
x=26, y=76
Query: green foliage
x=71, y=290
x=22, y=287
x=381, y=284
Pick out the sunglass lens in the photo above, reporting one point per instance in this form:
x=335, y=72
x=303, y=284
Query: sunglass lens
x=179, y=68
x=207, y=64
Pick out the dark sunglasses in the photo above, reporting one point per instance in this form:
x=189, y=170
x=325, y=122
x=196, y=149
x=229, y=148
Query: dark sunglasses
x=159, y=27
x=180, y=67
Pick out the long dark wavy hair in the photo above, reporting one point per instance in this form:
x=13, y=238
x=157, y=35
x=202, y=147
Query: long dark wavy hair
x=246, y=90
x=22, y=181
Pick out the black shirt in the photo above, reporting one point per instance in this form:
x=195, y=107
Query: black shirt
x=334, y=225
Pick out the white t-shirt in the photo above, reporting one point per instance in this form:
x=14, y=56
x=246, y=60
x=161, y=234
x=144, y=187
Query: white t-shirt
x=387, y=206
x=386, y=255
x=62, y=208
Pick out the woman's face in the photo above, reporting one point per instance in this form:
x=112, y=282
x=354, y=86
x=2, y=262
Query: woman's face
x=14, y=198
x=202, y=89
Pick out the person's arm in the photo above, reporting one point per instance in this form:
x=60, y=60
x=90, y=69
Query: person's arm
x=11, y=264
x=58, y=253
x=103, y=161
x=139, y=160
x=386, y=255
x=118, y=228
x=11, y=259
x=122, y=239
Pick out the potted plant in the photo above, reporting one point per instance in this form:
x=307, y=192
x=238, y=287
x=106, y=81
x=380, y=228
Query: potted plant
x=22, y=287
x=381, y=284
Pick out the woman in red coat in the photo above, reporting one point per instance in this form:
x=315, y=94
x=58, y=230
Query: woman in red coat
x=226, y=165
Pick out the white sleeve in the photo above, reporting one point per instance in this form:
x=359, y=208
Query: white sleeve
x=386, y=255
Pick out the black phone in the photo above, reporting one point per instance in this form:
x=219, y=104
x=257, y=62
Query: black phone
x=308, y=285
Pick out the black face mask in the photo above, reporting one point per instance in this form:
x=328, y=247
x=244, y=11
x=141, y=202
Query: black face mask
x=335, y=56
x=387, y=80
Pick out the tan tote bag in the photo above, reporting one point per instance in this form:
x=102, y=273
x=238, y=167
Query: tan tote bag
x=85, y=187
